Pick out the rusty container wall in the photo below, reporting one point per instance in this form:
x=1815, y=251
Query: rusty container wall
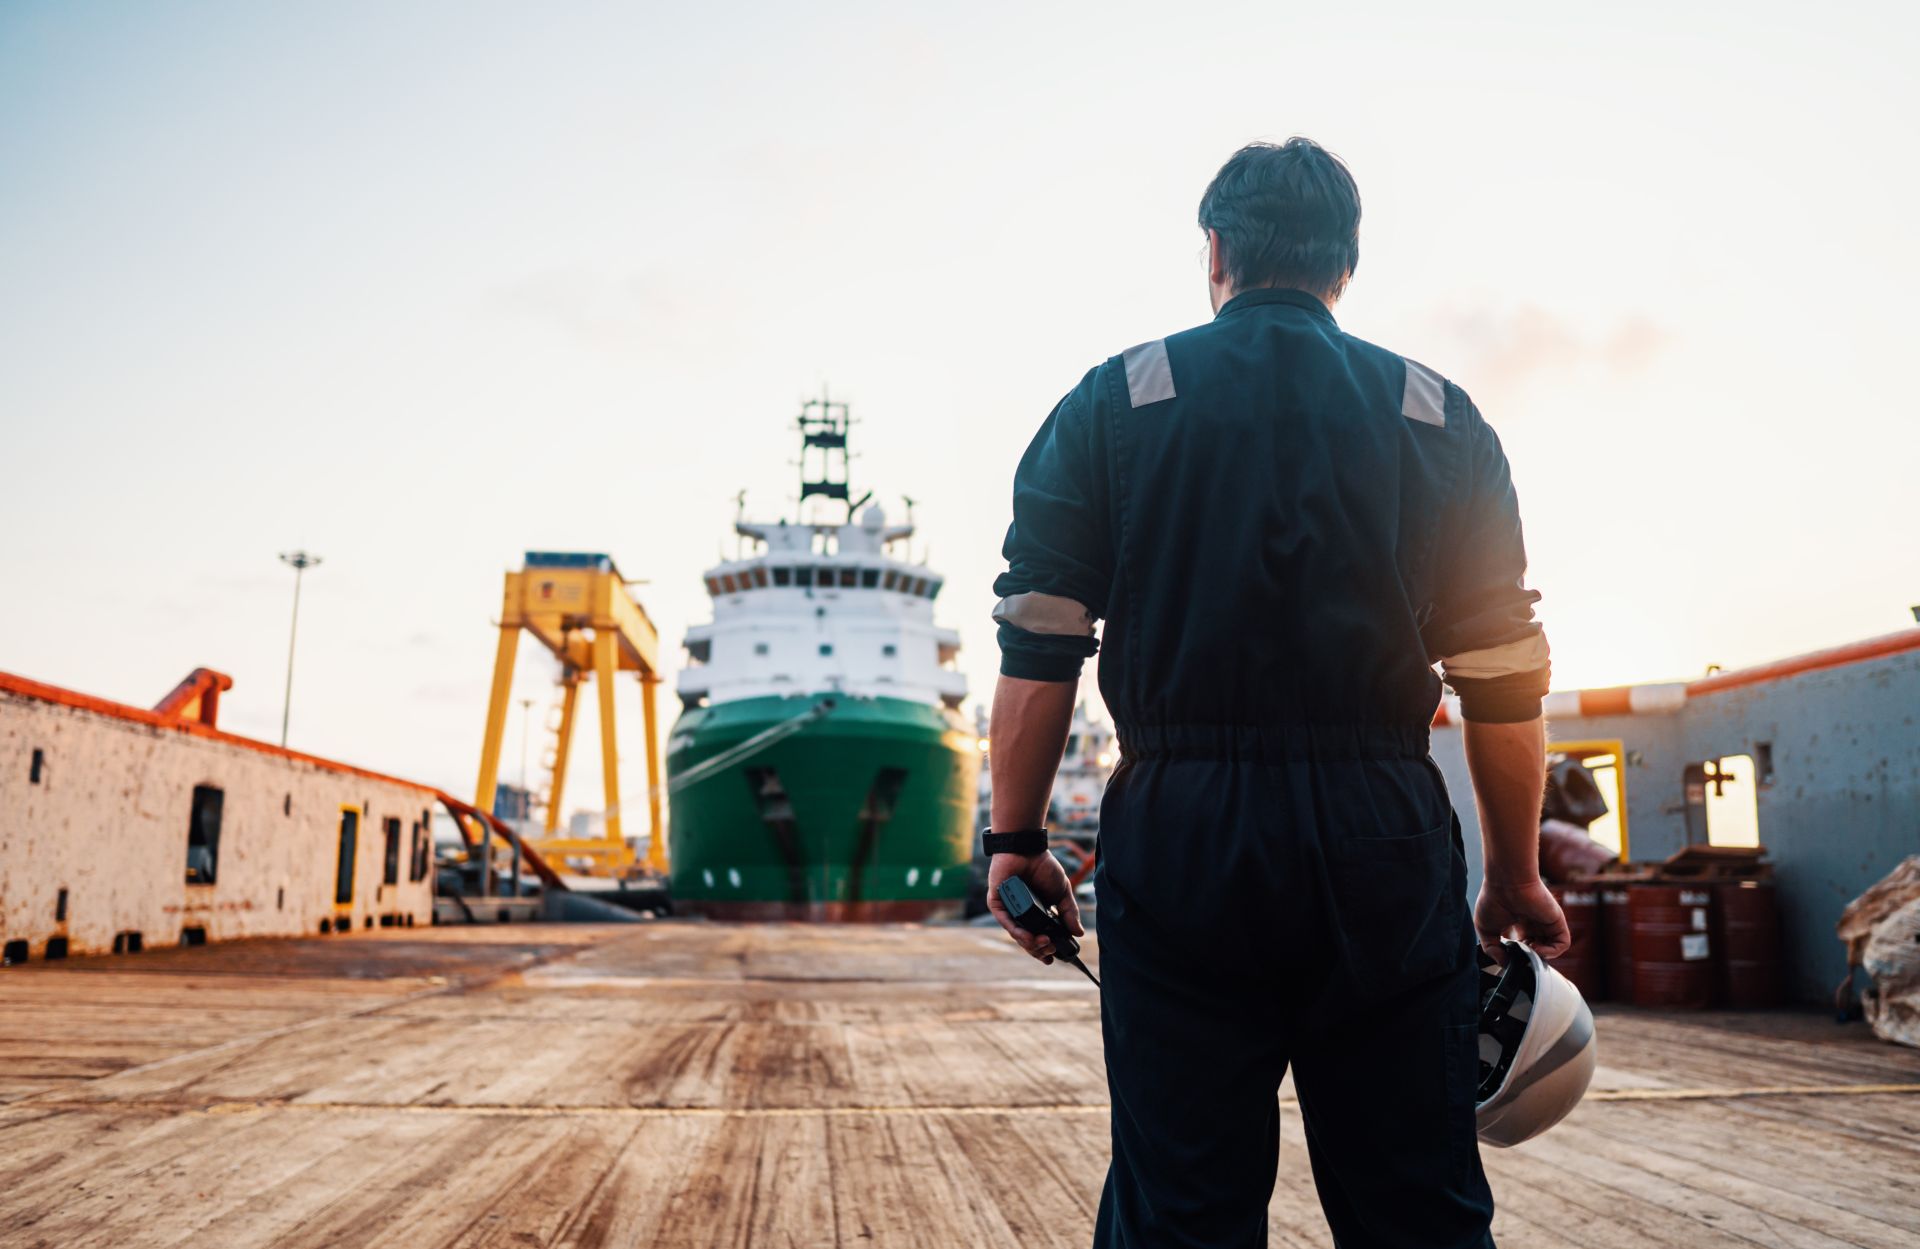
x=1585, y=962
x=1616, y=929
x=1672, y=938
x=1747, y=936
x=96, y=801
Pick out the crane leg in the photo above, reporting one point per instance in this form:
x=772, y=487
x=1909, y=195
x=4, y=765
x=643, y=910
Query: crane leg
x=604, y=670
x=656, y=837
x=569, y=700
x=496, y=717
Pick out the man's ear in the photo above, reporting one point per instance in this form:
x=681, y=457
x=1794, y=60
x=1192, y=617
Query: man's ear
x=1216, y=259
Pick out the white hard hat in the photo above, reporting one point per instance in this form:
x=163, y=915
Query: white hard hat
x=1536, y=1048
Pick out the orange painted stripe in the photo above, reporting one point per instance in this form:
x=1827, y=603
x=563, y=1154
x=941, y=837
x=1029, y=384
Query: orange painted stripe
x=12, y=684
x=1614, y=701
x=1618, y=700
x=1816, y=661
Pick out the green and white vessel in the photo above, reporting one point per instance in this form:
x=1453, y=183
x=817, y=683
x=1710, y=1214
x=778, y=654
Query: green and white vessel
x=821, y=769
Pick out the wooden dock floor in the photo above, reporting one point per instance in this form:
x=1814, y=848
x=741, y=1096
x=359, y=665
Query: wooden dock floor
x=684, y=1084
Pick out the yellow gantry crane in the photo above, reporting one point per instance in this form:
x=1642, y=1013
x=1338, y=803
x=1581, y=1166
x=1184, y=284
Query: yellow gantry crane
x=579, y=608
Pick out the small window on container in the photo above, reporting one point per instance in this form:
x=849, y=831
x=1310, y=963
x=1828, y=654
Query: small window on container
x=760, y=577
x=783, y=576
x=803, y=575
x=826, y=648
x=891, y=580
x=759, y=648
x=203, y=835
x=422, y=848
x=889, y=650
x=343, y=870
x=38, y=768
x=849, y=578
x=390, y=865
x=869, y=578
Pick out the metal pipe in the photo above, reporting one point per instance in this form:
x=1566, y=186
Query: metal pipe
x=486, y=858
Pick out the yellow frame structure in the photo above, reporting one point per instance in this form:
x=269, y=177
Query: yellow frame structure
x=1593, y=748
x=580, y=610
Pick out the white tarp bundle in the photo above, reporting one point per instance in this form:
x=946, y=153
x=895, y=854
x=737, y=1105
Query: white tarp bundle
x=1882, y=930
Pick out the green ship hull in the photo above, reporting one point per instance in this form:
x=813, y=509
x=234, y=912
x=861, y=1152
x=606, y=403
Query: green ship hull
x=821, y=807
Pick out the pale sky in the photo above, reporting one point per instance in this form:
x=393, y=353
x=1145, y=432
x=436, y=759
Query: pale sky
x=422, y=286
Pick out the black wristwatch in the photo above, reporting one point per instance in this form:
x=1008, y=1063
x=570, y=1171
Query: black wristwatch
x=1029, y=841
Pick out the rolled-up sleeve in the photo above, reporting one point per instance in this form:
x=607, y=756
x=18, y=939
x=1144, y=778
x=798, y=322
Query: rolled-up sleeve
x=1481, y=628
x=1058, y=549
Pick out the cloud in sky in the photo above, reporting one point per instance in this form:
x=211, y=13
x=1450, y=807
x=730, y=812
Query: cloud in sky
x=1497, y=350
x=656, y=312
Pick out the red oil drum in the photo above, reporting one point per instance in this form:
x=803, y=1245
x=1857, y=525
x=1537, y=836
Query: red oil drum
x=1672, y=935
x=1747, y=932
x=1617, y=941
x=1584, y=963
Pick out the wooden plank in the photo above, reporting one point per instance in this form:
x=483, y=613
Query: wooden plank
x=900, y=1086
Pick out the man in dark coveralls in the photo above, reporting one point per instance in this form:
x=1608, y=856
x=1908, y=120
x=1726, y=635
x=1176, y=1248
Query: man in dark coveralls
x=1284, y=528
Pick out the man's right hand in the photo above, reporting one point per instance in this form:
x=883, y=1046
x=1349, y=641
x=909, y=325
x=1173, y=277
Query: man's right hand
x=1527, y=908
x=1050, y=886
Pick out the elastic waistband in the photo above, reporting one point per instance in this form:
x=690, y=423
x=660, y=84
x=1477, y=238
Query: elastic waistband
x=1261, y=743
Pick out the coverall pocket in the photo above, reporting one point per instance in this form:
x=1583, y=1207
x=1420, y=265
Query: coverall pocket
x=1395, y=914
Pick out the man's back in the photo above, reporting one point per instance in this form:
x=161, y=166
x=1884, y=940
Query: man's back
x=1286, y=526
x=1284, y=529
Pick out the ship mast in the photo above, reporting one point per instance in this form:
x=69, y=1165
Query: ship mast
x=823, y=454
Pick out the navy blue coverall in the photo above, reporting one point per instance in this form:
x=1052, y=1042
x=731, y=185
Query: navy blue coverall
x=1284, y=528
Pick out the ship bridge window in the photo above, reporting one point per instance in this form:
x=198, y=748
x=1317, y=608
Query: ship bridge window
x=760, y=577
x=919, y=589
x=889, y=650
x=783, y=576
x=713, y=586
x=849, y=578
x=933, y=589
x=826, y=648
x=203, y=835
x=803, y=575
x=726, y=582
x=759, y=648
x=869, y=577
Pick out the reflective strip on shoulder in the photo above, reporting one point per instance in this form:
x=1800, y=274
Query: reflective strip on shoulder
x=1527, y=654
x=1425, y=396
x=1149, y=376
x=1044, y=613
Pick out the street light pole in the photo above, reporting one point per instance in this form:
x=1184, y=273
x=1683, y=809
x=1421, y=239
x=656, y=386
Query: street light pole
x=299, y=561
x=526, y=714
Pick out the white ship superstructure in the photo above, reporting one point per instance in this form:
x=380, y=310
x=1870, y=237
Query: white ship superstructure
x=823, y=607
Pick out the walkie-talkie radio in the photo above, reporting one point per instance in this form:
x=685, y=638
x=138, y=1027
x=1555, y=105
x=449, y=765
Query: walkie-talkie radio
x=1025, y=910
